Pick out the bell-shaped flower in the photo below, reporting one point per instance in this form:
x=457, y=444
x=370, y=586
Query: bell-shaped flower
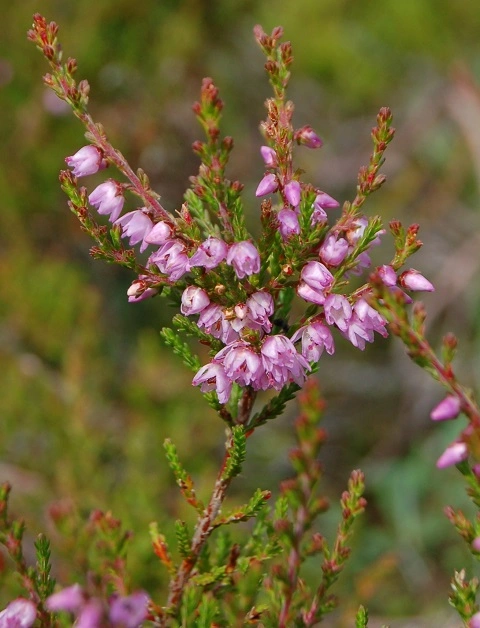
x=269, y=156
x=282, y=363
x=160, y=233
x=194, y=300
x=315, y=339
x=212, y=376
x=293, y=193
x=307, y=136
x=20, y=613
x=244, y=258
x=370, y=317
x=88, y=160
x=338, y=311
x=129, y=611
x=241, y=363
x=136, y=225
x=213, y=320
x=260, y=307
x=108, y=199
x=453, y=454
x=325, y=201
x=171, y=259
x=448, y=408
x=267, y=185
x=70, y=599
x=288, y=223
x=333, y=250
x=415, y=281
x=209, y=254
x=315, y=279
x=387, y=275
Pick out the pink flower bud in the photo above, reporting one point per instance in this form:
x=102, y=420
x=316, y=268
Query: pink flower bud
x=88, y=160
x=108, y=199
x=325, y=201
x=449, y=408
x=20, y=613
x=209, y=254
x=453, y=454
x=293, y=193
x=129, y=611
x=475, y=621
x=244, y=258
x=413, y=280
x=388, y=275
x=288, y=223
x=194, y=300
x=476, y=544
x=70, y=599
x=269, y=156
x=136, y=225
x=267, y=185
x=160, y=233
x=315, y=278
x=334, y=250
x=307, y=136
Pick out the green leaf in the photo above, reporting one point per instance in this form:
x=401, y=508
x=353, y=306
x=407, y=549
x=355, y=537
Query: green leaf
x=183, y=538
x=237, y=451
x=180, y=348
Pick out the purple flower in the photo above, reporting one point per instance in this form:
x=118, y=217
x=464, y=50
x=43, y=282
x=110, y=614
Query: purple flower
x=194, y=300
x=315, y=338
x=20, y=613
x=388, y=275
x=242, y=365
x=325, y=201
x=108, y=199
x=289, y=225
x=140, y=290
x=160, y=233
x=212, y=376
x=213, y=320
x=338, y=311
x=267, y=185
x=260, y=307
x=447, y=409
x=357, y=332
x=453, y=454
x=244, y=258
x=370, y=317
x=293, y=193
x=136, y=225
x=307, y=136
x=70, y=599
x=282, y=363
x=91, y=615
x=315, y=278
x=269, y=156
x=333, y=250
x=209, y=254
x=171, y=259
x=88, y=160
x=413, y=280
x=129, y=611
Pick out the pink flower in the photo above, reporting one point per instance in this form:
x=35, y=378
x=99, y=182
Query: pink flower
x=269, y=156
x=333, y=250
x=293, y=193
x=209, y=254
x=315, y=278
x=160, y=233
x=212, y=376
x=242, y=365
x=91, y=615
x=388, y=275
x=20, y=613
x=325, y=201
x=474, y=621
x=476, y=544
x=244, y=258
x=413, y=280
x=171, y=259
x=260, y=307
x=213, y=320
x=453, y=454
x=338, y=311
x=129, y=611
x=370, y=317
x=307, y=136
x=282, y=363
x=88, y=160
x=140, y=290
x=108, y=199
x=194, y=300
x=70, y=599
x=449, y=408
x=358, y=333
x=315, y=338
x=136, y=225
x=289, y=224
x=267, y=185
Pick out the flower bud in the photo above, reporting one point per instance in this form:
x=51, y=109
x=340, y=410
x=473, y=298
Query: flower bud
x=453, y=454
x=87, y=160
x=307, y=136
x=269, y=156
x=413, y=280
x=447, y=409
x=267, y=185
x=293, y=193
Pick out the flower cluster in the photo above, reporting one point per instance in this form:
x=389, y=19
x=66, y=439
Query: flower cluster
x=238, y=289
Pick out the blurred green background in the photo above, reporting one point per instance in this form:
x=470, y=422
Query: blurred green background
x=88, y=393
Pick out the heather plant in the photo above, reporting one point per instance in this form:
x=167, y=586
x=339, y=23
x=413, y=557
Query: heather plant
x=265, y=314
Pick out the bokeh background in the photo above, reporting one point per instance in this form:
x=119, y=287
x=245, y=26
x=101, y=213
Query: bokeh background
x=88, y=393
